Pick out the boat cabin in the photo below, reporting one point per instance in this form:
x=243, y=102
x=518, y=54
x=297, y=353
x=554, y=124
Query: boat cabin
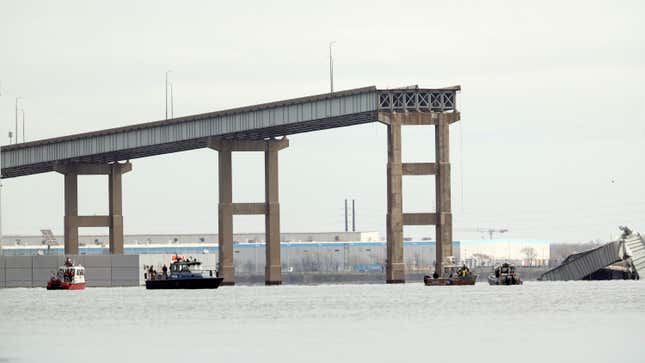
x=180, y=268
x=71, y=274
x=504, y=269
x=183, y=268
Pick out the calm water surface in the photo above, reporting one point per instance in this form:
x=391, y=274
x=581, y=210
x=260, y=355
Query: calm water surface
x=537, y=322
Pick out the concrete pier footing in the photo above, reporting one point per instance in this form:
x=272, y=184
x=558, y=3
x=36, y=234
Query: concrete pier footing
x=270, y=208
x=114, y=221
x=396, y=169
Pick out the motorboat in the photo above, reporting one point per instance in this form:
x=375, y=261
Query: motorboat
x=182, y=274
x=504, y=274
x=68, y=277
x=452, y=275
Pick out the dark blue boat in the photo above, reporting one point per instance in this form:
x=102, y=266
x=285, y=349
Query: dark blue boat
x=183, y=276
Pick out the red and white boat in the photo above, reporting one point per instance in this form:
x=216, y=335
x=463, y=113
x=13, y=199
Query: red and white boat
x=68, y=277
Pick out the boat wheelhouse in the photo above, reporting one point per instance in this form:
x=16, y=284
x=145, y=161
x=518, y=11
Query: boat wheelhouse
x=504, y=274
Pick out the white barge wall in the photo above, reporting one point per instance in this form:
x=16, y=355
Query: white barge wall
x=100, y=270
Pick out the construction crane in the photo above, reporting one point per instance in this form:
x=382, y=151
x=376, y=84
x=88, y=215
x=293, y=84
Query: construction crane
x=490, y=231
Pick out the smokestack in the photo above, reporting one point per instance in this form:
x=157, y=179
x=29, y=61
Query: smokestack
x=346, y=225
x=353, y=216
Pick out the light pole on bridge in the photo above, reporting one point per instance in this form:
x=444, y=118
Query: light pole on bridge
x=166, y=94
x=331, y=68
x=16, y=125
x=24, y=138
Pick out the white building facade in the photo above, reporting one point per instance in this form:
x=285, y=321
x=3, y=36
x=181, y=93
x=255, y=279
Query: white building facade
x=521, y=252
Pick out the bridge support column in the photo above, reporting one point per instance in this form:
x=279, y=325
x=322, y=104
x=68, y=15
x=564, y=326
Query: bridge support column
x=270, y=208
x=71, y=214
x=226, y=268
x=73, y=221
x=115, y=192
x=396, y=219
x=395, y=266
x=443, y=227
x=273, y=269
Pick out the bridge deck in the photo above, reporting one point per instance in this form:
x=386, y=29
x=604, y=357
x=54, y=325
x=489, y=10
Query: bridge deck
x=257, y=122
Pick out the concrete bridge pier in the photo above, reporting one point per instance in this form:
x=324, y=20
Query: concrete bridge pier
x=396, y=169
x=114, y=220
x=270, y=208
x=395, y=265
x=443, y=229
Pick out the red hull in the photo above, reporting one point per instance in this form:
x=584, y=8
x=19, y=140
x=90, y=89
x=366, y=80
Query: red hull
x=57, y=285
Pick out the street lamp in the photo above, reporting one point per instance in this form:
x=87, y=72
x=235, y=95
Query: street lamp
x=16, y=126
x=166, y=93
x=172, y=102
x=331, y=67
x=24, y=138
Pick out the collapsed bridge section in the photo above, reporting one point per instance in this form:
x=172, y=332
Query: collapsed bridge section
x=622, y=259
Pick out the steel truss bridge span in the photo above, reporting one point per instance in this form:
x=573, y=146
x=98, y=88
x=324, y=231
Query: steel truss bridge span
x=258, y=122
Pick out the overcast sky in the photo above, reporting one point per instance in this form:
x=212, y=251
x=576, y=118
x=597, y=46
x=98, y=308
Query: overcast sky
x=550, y=146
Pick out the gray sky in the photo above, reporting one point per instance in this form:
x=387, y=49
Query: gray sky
x=552, y=108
